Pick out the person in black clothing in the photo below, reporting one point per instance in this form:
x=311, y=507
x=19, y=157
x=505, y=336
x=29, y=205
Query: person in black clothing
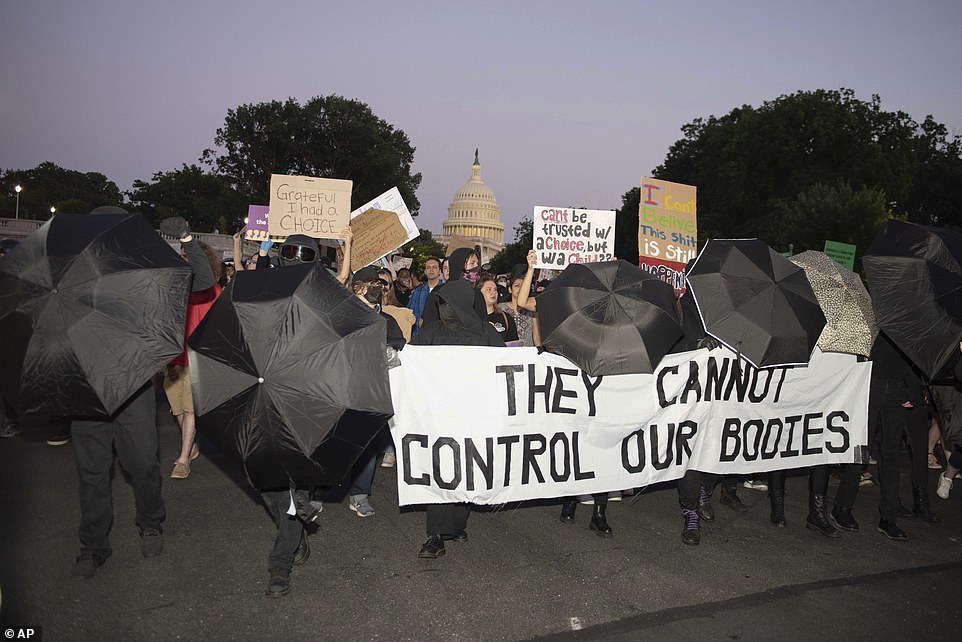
x=133, y=433
x=498, y=318
x=895, y=407
x=458, y=324
x=462, y=266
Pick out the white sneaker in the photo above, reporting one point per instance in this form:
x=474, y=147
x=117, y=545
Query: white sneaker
x=360, y=505
x=945, y=486
x=388, y=460
x=755, y=484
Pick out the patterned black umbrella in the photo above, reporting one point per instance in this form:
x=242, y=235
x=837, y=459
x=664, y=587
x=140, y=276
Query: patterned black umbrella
x=756, y=302
x=609, y=318
x=91, y=306
x=289, y=376
x=915, y=277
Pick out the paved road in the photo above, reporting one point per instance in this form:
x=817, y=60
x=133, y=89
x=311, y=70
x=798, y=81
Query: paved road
x=522, y=575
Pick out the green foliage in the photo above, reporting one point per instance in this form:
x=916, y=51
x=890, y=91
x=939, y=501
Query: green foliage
x=515, y=253
x=328, y=137
x=205, y=199
x=754, y=164
x=46, y=185
x=626, y=226
x=421, y=248
x=828, y=212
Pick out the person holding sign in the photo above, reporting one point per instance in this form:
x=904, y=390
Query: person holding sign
x=460, y=324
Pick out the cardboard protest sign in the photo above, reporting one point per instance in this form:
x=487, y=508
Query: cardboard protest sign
x=841, y=253
x=667, y=229
x=256, y=229
x=317, y=207
x=391, y=201
x=399, y=262
x=376, y=234
x=564, y=235
x=456, y=242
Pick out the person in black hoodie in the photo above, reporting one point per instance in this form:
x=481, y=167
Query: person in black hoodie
x=463, y=264
x=458, y=324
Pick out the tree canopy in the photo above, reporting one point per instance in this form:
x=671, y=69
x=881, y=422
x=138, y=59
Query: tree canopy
x=422, y=248
x=48, y=185
x=327, y=137
x=205, y=199
x=760, y=171
x=516, y=253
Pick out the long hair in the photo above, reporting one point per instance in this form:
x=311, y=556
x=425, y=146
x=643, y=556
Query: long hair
x=213, y=259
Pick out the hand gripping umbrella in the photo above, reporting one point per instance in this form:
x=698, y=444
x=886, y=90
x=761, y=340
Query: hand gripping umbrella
x=915, y=277
x=91, y=306
x=756, y=302
x=289, y=376
x=849, y=320
x=609, y=318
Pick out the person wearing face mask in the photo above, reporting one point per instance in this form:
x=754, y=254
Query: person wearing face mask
x=463, y=266
x=458, y=323
x=370, y=289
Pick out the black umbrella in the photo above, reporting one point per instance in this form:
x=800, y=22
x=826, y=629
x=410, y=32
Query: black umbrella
x=289, y=376
x=91, y=306
x=915, y=277
x=609, y=318
x=756, y=302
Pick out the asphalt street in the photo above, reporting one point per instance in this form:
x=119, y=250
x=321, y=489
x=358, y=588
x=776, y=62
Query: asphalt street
x=522, y=575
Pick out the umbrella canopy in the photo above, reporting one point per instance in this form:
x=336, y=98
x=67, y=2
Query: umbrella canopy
x=91, y=306
x=849, y=320
x=289, y=376
x=915, y=277
x=609, y=318
x=756, y=302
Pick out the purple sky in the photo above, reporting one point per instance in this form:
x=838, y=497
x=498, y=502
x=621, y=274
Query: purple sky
x=570, y=103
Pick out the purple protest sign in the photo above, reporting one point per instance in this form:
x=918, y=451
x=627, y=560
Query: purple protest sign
x=256, y=223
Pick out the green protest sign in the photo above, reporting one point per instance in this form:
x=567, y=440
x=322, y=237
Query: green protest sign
x=841, y=253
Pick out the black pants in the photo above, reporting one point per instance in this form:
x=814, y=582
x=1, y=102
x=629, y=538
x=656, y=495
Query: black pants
x=689, y=489
x=447, y=519
x=892, y=421
x=134, y=433
x=289, y=527
x=817, y=481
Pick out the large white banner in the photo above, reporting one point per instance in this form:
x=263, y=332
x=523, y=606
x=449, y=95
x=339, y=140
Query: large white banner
x=495, y=425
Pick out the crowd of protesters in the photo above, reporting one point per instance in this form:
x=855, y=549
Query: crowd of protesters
x=456, y=300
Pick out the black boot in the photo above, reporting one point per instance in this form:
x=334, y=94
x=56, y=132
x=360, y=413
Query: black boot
x=568, y=510
x=920, y=506
x=690, y=534
x=890, y=529
x=842, y=518
x=598, y=522
x=705, y=510
x=817, y=519
x=729, y=497
x=777, y=500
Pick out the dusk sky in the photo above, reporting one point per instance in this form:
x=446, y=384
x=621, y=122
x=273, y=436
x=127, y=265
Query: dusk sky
x=570, y=103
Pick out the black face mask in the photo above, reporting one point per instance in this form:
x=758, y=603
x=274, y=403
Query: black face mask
x=373, y=294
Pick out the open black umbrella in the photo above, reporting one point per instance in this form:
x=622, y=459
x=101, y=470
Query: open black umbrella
x=915, y=277
x=91, y=306
x=756, y=302
x=289, y=376
x=609, y=318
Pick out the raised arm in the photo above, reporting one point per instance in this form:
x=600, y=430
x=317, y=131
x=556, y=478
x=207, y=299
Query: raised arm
x=346, y=235
x=524, y=300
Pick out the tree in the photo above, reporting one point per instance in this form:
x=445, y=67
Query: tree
x=49, y=185
x=327, y=137
x=515, y=253
x=754, y=162
x=205, y=199
x=828, y=212
x=422, y=248
x=626, y=226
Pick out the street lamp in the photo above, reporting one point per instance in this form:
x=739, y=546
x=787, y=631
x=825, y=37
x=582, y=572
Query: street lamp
x=53, y=210
x=18, y=189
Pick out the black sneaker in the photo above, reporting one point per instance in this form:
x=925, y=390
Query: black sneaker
x=843, y=519
x=59, y=440
x=10, y=429
x=432, y=549
x=891, y=530
x=460, y=536
x=85, y=567
x=690, y=533
x=151, y=542
x=279, y=583
x=303, y=550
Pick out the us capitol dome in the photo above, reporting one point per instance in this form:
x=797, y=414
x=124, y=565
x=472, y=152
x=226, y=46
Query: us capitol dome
x=474, y=217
